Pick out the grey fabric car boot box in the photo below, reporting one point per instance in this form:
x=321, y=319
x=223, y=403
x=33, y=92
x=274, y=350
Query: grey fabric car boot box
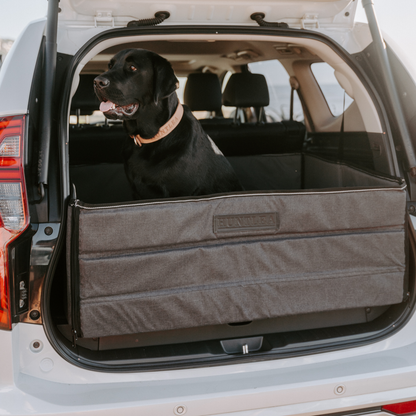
x=167, y=264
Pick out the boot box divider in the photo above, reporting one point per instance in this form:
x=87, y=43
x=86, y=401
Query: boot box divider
x=167, y=264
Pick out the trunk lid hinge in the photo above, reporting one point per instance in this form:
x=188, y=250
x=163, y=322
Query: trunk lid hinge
x=309, y=21
x=104, y=18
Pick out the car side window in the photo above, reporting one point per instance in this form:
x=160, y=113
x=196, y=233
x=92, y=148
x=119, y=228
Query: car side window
x=330, y=87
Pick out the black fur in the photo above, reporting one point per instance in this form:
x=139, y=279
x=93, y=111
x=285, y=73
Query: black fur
x=184, y=162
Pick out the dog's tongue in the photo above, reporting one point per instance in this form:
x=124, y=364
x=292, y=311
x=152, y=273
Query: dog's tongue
x=105, y=106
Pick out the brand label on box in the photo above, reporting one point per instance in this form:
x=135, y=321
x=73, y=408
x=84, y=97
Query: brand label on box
x=246, y=222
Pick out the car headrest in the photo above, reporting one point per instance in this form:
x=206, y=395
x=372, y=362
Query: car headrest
x=246, y=90
x=203, y=92
x=84, y=98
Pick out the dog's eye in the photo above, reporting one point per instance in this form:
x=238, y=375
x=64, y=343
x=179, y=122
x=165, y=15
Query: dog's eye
x=110, y=66
x=132, y=68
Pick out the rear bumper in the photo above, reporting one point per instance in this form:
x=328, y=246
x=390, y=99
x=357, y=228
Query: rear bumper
x=44, y=383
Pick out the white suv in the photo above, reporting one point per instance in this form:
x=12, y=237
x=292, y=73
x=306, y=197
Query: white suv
x=295, y=296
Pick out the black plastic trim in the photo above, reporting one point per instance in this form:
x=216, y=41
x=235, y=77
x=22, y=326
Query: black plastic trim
x=49, y=84
x=75, y=271
x=363, y=412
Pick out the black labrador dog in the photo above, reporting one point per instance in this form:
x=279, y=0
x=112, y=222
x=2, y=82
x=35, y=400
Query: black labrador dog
x=167, y=153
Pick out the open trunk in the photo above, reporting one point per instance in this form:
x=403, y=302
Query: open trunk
x=312, y=253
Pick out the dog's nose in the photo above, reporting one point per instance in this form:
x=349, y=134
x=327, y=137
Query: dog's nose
x=101, y=82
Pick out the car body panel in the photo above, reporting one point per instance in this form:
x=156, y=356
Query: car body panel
x=297, y=13
x=369, y=376
x=332, y=18
x=18, y=68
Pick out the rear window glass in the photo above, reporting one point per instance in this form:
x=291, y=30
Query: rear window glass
x=332, y=91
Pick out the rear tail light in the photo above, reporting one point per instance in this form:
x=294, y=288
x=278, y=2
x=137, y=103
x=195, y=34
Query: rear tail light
x=403, y=408
x=13, y=202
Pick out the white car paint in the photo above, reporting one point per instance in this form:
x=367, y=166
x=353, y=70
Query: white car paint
x=17, y=70
x=72, y=35
x=297, y=13
x=43, y=382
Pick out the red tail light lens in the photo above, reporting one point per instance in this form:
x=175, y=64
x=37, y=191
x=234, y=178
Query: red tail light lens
x=404, y=408
x=13, y=203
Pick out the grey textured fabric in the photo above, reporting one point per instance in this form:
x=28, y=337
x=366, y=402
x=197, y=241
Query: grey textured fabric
x=320, y=173
x=117, y=315
x=162, y=225
x=244, y=262
x=268, y=172
x=102, y=183
x=107, y=182
x=162, y=265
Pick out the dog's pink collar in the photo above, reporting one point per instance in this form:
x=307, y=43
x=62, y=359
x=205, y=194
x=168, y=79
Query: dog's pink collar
x=164, y=130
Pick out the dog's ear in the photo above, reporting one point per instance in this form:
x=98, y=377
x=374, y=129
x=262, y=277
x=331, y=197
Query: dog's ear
x=164, y=79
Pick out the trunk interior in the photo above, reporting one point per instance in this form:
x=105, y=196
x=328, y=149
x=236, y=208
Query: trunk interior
x=312, y=253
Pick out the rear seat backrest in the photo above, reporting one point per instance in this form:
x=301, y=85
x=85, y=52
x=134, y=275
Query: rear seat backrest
x=245, y=90
x=250, y=90
x=203, y=93
x=84, y=98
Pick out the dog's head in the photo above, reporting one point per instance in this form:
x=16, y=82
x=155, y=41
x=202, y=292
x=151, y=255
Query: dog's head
x=135, y=78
